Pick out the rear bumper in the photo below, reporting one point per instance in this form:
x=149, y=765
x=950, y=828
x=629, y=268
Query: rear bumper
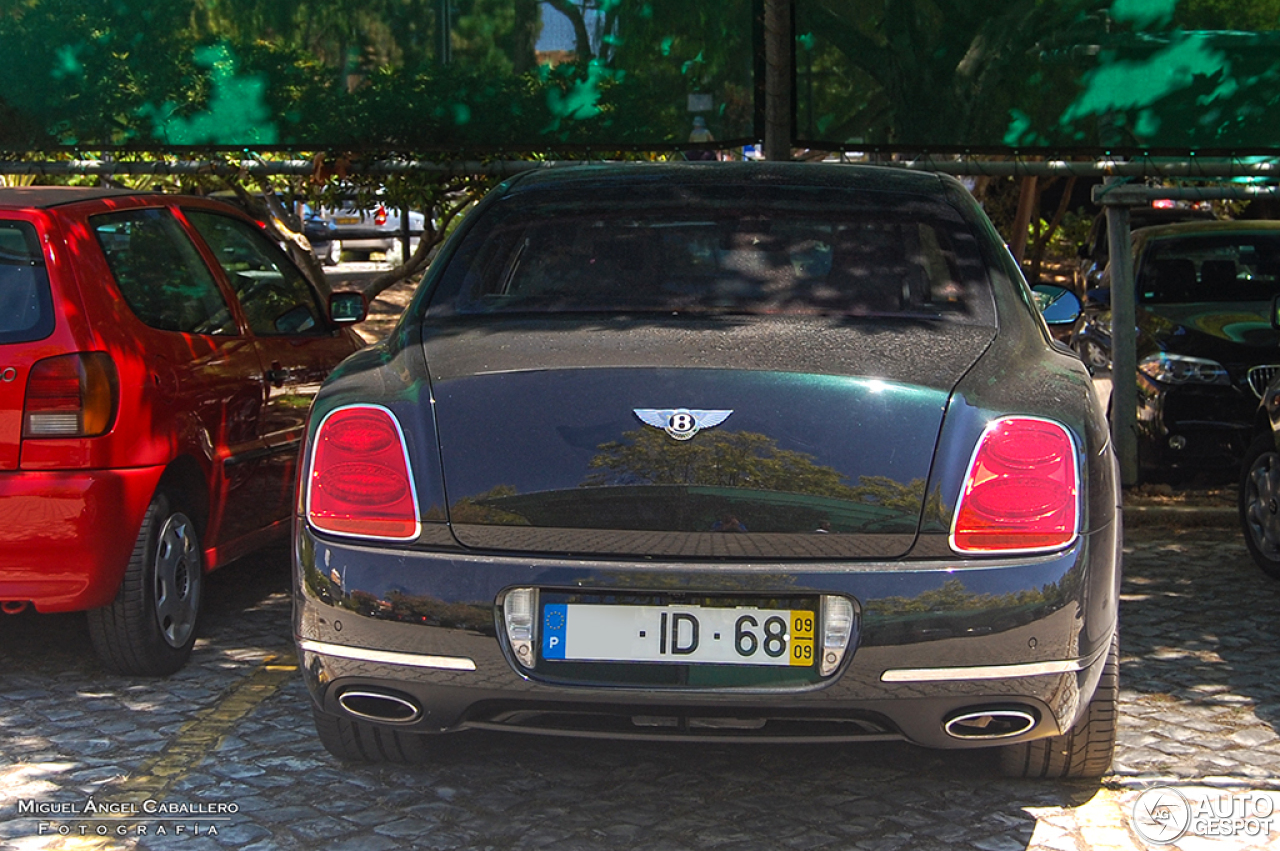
x=365, y=244
x=65, y=538
x=935, y=640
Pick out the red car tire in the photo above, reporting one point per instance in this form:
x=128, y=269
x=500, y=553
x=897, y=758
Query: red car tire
x=150, y=627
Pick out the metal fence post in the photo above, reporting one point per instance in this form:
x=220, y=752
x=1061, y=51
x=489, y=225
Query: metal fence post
x=1124, y=338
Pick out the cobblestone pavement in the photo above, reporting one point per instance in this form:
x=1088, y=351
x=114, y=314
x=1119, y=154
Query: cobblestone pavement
x=1200, y=707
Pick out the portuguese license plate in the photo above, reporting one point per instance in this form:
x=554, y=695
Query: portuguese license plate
x=589, y=632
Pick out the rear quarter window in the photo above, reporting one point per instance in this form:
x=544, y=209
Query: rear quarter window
x=26, y=305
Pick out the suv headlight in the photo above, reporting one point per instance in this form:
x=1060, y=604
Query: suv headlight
x=1182, y=369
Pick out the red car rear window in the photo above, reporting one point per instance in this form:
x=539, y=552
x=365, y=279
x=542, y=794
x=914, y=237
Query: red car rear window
x=26, y=306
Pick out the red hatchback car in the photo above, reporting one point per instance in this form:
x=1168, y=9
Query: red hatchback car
x=158, y=355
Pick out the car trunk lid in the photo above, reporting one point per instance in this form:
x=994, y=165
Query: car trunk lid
x=579, y=436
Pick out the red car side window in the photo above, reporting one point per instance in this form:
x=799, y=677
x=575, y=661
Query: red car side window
x=160, y=273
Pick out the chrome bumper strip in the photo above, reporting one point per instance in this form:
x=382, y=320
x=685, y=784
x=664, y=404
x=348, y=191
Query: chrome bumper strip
x=384, y=657
x=983, y=672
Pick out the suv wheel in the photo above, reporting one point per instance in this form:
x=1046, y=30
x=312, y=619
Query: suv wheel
x=150, y=627
x=1259, y=503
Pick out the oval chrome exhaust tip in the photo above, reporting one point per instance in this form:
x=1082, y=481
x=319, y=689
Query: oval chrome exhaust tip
x=379, y=706
x=1001, y=723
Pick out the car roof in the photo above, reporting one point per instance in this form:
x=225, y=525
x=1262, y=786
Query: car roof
x=831, y=175
x=1207, y=227
x=43, y=197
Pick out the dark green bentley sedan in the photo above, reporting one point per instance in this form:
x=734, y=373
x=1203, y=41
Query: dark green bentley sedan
x=731, y=451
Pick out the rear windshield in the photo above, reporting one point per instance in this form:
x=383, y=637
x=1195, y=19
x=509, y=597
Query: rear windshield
x=706, y=250
x=26, y=307
x=1222, y=267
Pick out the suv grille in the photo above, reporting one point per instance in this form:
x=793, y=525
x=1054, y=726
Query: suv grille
x=1260, y=376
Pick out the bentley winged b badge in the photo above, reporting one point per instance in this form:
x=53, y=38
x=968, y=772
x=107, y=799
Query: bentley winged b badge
x=681, y=423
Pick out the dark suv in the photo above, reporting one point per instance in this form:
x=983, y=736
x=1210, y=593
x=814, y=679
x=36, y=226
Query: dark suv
x=1094, y=252
x=1206, y=347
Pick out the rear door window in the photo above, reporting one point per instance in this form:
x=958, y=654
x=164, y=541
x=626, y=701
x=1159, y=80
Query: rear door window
x=26, y=305
x=161, y=274
x=275, y=297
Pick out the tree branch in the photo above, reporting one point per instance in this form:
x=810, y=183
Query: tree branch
x=435, y=227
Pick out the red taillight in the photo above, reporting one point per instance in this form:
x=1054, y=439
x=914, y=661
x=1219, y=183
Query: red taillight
x=359, y=482
x=71, y=396
x=1022, y=491
x=380, y=216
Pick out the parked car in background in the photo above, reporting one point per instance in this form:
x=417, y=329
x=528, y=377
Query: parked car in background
x=363, y=232
x=1205, y=346
x=1095, y=252
x=322, y=234
x=742, y=451
x=157, y=358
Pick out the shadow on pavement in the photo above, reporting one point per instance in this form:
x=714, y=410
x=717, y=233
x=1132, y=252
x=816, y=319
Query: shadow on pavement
x=1198, y=638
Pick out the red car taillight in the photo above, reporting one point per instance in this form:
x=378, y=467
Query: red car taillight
x=380, y=216
x=1022, y=491
x=359, y=482
x=71, y=396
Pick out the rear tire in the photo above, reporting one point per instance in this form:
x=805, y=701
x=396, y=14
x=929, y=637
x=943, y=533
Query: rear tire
x=351, y=740
x=1259, y=503
x=150, y=627
x=1087, y=748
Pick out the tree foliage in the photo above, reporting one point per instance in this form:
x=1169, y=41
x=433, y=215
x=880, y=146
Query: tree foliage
x=1048, y=74
x=368, y=75
x=342, y=75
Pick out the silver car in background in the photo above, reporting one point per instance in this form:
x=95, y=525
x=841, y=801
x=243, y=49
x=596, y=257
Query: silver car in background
x=371, y=231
